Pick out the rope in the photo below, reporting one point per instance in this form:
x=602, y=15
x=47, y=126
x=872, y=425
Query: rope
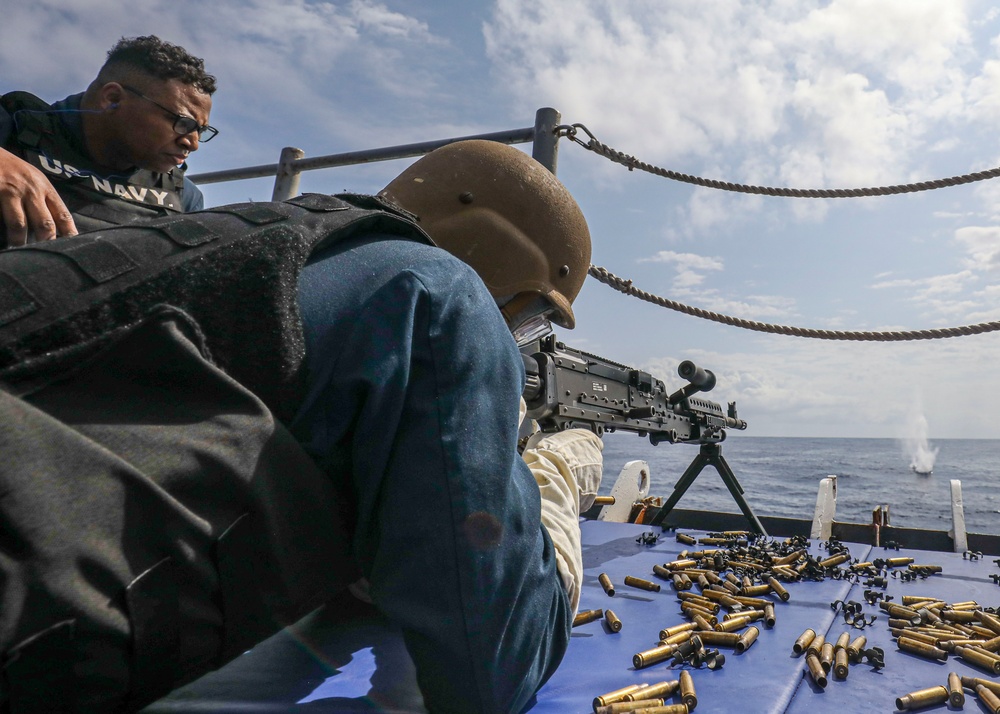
x=570, y=131
x=626, y=287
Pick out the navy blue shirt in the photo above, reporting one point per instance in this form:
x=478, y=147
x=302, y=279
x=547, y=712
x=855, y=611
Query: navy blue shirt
x=68, y=111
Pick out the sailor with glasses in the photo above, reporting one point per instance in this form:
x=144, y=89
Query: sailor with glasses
x=111, y=155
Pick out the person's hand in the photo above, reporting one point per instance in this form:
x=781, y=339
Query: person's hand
x=29, y=205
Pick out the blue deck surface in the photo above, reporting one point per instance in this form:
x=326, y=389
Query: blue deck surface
x=347, y=659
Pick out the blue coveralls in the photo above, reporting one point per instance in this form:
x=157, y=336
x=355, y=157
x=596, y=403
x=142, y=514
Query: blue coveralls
x=414, y=382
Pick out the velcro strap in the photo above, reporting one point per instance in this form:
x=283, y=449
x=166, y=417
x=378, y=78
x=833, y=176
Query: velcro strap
x=16, y=301
x=100, y=260
x=318, y=202
x=187, y=232
x=257, y=213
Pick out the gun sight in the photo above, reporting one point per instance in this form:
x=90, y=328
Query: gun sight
x=699, y=380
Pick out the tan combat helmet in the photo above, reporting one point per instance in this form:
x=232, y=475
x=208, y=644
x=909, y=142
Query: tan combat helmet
x=509, y=218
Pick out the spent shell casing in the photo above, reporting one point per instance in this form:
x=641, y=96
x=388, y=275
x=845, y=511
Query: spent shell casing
x=979, y=659
x=582, y=618
x=921, y=648
x=856, y=647
x=663, y=689
x=989, y=698
x=665, y=709
x=641, y=584
x=988, y=620
x=677, y=638
x=826, y=653
x=616, y=696
x=778, y=589
x=816, y=646
x=686, y=539
x=804, y=640
x=835, y=560
x=688, y=695
x=629, y=706
x=922, y=698
x=769, y=615
x=737, y=623
x=605, y=582
x=840, y=665
x=898, y=562
x=747, y=639
x=756, y=590
x=661, y=572
x=614, y=624
x=790, y=558
x=972, y=682
x=843, y=641
x=674, y=629
x=701, y=622
x=724, y=639
x=816, y=670
x=650, y=657
x=956, y=697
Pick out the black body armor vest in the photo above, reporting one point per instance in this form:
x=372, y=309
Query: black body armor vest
x=96, y=201
x=158, y=519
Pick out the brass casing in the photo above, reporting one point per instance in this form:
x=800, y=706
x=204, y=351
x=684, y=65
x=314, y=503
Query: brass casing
x=816, y=670
x=607, y=501
x=616, y=696
x=747, y=639
x=737, y=623
x=725, y=639
x=922, y=698
x=661, y=572
x=790, y=558
x=673, y=630
x=755, y=590
x=688, y=694
x=979, y=659
x=911, y=599
x=921, y=648
x=778, y=589
x=641, y=584
x=605, y=582
x=664, y=689
x=613, y=622
x=804, y=640
x=582, y=618
x=629, y=705
x=990, y=621
x=816, y=646
x=686, y=539
x=677, y=638
x=769, y=618
x=826, y=656
x=989, y=698
x=956, y=697
x=972, y=682
x=835, y=560
x=840, y=667
x=649, y=657
x=701, y=622
x=898, y=562
x=856, y=647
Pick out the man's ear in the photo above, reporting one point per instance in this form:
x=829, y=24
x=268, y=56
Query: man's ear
x=110, y=96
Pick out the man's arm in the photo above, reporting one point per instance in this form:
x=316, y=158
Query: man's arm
x=29, y=204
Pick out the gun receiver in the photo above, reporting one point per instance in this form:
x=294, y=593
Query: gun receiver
x=567, y=388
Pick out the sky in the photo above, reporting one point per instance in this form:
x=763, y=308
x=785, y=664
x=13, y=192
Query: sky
x=787, y=93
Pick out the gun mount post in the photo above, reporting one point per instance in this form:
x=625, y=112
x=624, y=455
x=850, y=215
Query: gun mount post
x=709, y=455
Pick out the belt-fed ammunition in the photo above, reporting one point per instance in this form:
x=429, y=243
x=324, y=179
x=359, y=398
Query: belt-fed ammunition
x=616, y=696
x=979, y=659
x=629, y=706
x=582, y=618
x=826, y=656
x=657, y=654
x=922, y=698
x=989, y=698
x=840, y=668
x=687, y=690
x=816, y=670
x=641, y=584
x=660, y=689
x=956, y=697
x=747, y=639
x=921, y=648
x=804, y=641
x=605, y=582
x=769, y=615
x=613, y=622
x=856, y=647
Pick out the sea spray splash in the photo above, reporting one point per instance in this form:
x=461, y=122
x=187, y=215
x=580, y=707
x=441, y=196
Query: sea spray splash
x=921, y=454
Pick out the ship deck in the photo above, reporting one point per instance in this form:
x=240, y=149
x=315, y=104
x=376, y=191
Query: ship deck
x=345, y=659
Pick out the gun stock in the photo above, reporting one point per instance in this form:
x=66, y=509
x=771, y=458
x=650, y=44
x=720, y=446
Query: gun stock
x=567, y=388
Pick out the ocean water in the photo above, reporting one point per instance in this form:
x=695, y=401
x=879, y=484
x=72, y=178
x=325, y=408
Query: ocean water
x=780, y=477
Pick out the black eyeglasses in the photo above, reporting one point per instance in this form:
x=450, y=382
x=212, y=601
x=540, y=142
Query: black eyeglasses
x=182, y=124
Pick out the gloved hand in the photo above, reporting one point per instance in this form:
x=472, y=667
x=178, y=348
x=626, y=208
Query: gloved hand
x=580, y=449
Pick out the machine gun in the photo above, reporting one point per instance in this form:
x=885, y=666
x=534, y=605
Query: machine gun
x=566, y=388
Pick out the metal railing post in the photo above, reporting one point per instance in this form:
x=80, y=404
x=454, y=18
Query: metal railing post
x=286, y=181
x=545, y=147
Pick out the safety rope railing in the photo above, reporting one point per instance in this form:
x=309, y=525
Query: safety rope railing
x=571, y=131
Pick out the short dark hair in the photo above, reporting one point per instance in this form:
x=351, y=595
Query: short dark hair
x=151, y=55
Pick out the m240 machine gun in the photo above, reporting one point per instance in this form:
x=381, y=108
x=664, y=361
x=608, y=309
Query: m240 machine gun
x=566, y=388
